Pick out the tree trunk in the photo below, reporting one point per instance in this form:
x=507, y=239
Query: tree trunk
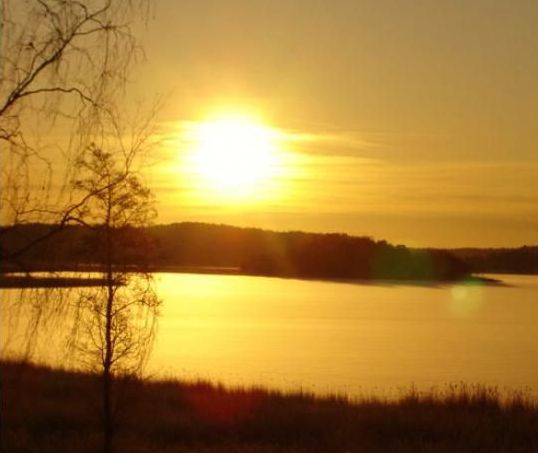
x=108, y=421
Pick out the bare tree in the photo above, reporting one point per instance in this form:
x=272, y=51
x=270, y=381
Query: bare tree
x=64, y=65
x=118, y=319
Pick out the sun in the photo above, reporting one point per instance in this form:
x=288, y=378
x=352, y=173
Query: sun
x=235, y=155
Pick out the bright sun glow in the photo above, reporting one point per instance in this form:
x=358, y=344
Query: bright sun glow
x=235, y=155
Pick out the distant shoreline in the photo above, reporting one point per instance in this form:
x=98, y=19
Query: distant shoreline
x=228, y=250
x=471, y=279
x=8, y=280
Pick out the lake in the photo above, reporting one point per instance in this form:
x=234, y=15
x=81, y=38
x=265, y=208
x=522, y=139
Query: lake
x=330, y=337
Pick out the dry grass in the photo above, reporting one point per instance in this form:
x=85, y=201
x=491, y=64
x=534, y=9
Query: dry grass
x=47, y=410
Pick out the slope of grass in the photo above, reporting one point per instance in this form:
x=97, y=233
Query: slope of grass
x=46, y=410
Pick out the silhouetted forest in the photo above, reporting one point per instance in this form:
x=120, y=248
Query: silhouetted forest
x=246, y=250
x=522, y=260
x=258, y=252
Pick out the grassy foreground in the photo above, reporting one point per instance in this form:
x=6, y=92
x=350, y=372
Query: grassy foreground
x=46, y=410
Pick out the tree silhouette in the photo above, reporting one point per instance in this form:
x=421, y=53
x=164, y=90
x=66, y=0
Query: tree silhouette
x=118, y=319
x=63, y=67
x=63, y=70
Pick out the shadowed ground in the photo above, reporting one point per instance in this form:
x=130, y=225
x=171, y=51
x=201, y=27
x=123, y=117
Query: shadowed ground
x=51, y=410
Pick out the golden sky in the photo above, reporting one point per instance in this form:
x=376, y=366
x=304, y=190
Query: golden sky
x=409, y=121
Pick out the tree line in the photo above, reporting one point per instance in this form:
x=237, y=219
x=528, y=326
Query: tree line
x=520, y=260
x=249, y=250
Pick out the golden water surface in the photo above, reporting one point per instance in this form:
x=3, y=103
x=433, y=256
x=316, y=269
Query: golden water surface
x=334, y=337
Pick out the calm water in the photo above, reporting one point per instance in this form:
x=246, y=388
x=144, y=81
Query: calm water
x=334, y=337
